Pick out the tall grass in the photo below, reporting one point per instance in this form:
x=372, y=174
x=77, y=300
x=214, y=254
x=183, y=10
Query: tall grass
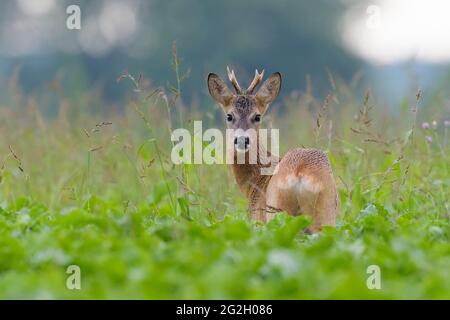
x=114, y=166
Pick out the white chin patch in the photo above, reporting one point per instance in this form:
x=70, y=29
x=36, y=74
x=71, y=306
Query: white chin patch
x=241, y=150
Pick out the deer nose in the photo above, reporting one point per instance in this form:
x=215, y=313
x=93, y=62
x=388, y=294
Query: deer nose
x=242, y=142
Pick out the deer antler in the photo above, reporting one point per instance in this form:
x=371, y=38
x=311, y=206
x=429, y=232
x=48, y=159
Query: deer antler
x=234, y=81
x=258, y=77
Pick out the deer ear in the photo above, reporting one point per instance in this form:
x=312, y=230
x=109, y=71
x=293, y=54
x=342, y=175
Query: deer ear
x=219, y=90
x=269, y=90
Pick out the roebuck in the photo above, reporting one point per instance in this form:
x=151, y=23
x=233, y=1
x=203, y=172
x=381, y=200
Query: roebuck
x=302, y=181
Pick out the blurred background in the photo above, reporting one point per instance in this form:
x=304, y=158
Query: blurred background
x=392, y=47
x=87, y=177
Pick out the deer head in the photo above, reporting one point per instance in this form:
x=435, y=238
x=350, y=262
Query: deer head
x=244, y=109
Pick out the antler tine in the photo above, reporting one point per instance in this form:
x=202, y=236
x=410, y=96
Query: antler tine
x=234, y=81
x=258, y=77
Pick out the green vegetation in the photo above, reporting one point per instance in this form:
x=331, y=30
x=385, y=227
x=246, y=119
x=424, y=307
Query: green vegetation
x=96, y=188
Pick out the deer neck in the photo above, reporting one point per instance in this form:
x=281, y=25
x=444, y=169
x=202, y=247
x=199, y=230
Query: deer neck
x=251, y=177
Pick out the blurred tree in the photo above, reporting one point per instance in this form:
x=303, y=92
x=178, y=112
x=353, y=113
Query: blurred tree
x=291, y=36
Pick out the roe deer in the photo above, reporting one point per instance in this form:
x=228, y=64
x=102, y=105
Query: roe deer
x=302, y=182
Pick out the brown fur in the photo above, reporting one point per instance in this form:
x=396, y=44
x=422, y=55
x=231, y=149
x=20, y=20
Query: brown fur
x=302, y=182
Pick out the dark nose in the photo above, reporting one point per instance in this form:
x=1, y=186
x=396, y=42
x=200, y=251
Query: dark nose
x=241, y=139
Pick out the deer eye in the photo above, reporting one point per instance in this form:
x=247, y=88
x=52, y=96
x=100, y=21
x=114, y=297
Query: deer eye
x=229, y=117
x=257, y=118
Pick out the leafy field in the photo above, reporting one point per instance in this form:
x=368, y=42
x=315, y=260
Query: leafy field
x=90, y=184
